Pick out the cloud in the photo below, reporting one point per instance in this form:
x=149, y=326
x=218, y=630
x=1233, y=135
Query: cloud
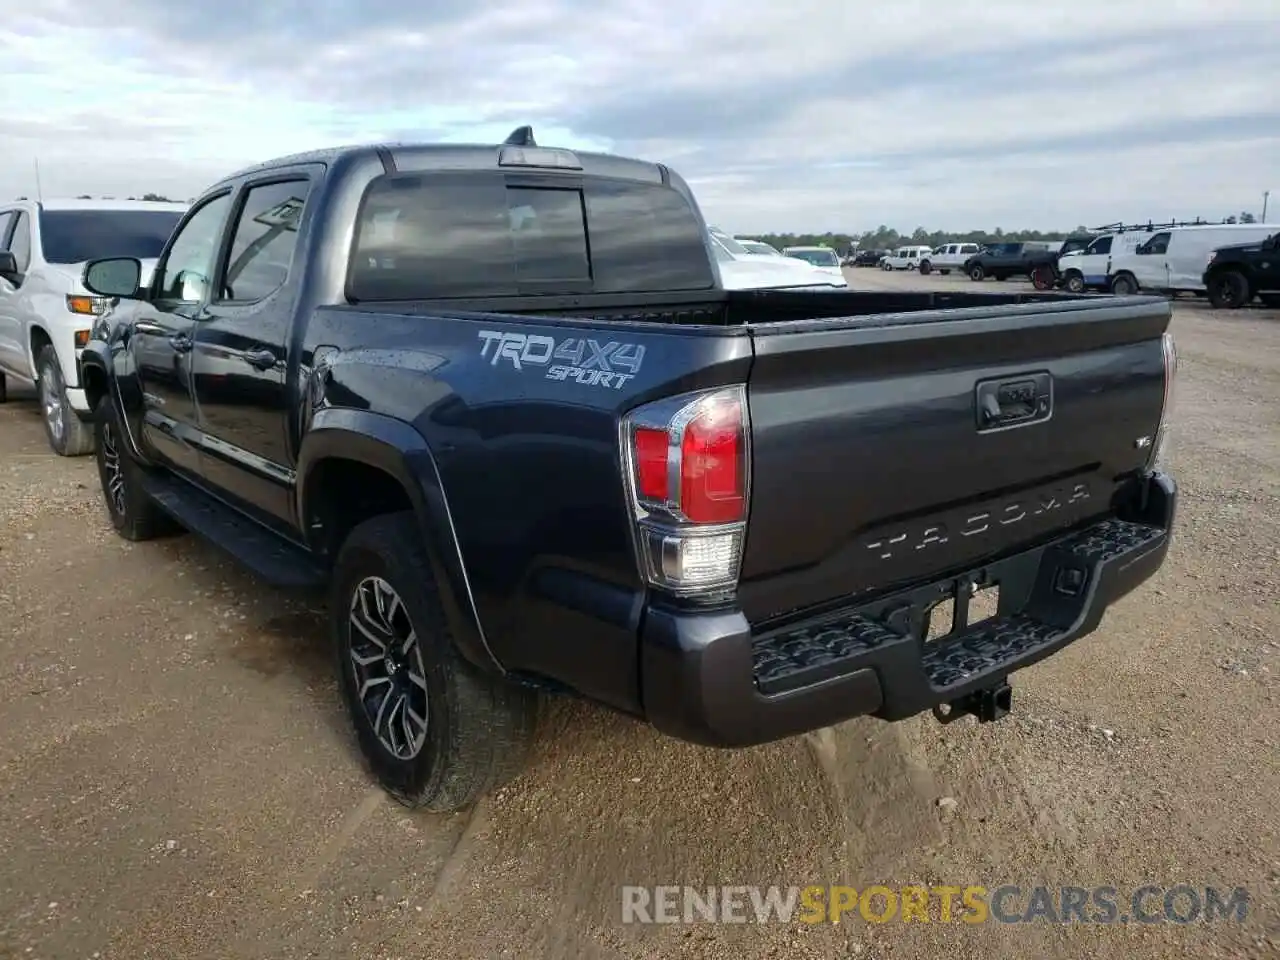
x=798, y=116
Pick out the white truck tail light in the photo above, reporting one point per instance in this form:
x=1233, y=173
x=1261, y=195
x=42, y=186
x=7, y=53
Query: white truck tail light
x=687, y=469
x=1160, y=447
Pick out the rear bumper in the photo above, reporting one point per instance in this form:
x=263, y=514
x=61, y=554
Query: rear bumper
x=707, y=679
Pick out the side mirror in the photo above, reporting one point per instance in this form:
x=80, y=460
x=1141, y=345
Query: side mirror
x=8, y=264
x=113, y=277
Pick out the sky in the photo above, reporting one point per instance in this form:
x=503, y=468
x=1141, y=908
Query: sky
x=796, y=116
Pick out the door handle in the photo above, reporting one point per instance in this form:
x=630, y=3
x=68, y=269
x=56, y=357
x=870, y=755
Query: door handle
x=260, y=359
x=149, y=328
x=181, y=342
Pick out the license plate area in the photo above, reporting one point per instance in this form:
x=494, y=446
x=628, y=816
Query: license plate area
x=962, y=604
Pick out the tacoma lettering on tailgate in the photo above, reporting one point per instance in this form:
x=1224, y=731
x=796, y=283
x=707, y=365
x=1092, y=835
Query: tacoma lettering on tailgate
x=933, y=532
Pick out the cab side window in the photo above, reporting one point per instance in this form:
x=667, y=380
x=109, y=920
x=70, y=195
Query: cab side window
x=184, y=274
x=266, y=233
x=6, y=220
x=20, y=242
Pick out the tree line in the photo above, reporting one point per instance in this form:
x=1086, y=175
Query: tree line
x=153, y=197
x=885, y=238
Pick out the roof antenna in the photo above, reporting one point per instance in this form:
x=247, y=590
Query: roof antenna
x=39, y=189
x=521, y=137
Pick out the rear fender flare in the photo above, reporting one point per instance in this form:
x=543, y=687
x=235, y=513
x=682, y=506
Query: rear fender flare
x=399, y=450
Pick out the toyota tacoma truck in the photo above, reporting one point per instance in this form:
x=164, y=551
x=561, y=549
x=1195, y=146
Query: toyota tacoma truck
x=496, y=401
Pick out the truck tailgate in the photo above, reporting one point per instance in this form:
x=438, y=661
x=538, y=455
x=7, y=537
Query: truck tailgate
x=889, y=450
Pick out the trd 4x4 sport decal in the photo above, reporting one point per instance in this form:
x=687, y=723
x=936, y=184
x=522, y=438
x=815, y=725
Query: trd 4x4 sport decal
x=573, y=359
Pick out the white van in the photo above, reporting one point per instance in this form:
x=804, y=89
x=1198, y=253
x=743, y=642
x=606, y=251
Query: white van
x=905, y=258
x=948, y=257
x=1174, y=260
x=1090, y=268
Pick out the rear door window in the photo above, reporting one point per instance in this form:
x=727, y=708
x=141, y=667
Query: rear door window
x=449, y=235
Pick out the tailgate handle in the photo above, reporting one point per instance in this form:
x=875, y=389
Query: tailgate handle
x=1013, y=401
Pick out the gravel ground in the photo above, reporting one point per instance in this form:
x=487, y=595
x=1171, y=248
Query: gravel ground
x=178, y=780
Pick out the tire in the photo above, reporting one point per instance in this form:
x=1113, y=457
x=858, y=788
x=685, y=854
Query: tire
x=476, y=728
x=68, y=435
x=4, y=389
x=132, y=512
x=1042, y=278
x=976, y=272
x=1229, y=290
x=1073, y=281
x=926, y=268
x=945, y=273
x=1124, y=285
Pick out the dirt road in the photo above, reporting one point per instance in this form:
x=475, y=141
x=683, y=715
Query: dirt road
x=178, y=781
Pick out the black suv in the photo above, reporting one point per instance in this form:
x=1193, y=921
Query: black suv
x=1242, y=271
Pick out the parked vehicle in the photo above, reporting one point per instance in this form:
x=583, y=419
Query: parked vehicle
x=1093, y=267
x=823, y=259
x=948, y=257
x=1089, y=269
x=1072, y=244
x=45, y=312
x=1239, y=272
x=1048, y=275
x=1005, y=260
x=494, y=400
x=758, y=247
x=1173, y=260
x=869, y=258
x=905, y=258
x=743, y=270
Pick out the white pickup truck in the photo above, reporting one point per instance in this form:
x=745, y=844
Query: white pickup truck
x=46, y=314
x=947, y=257
x=741, y=269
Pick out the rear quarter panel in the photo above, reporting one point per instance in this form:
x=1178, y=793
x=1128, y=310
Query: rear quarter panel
x=526, y=444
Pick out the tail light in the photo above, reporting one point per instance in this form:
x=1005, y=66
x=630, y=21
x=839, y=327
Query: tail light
x=1160, y=448
x=687, y=468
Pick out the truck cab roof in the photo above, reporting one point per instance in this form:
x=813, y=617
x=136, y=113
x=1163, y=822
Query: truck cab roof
x=423, y=157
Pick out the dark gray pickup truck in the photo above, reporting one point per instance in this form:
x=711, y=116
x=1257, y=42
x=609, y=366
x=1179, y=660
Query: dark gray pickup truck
x=495, y=400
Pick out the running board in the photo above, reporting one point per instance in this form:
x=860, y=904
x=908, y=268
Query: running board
x=275, y=560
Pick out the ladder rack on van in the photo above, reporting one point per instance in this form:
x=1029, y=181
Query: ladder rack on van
x=1150, y=227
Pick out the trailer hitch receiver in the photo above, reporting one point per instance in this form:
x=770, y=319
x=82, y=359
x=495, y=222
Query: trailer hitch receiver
x=988, y=704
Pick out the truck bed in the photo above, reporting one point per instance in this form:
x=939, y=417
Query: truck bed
x=870, y=466
x=732, y=308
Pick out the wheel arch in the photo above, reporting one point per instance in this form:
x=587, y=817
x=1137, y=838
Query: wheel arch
x=1125, y=275
x=37, y=339
x=356, y=464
